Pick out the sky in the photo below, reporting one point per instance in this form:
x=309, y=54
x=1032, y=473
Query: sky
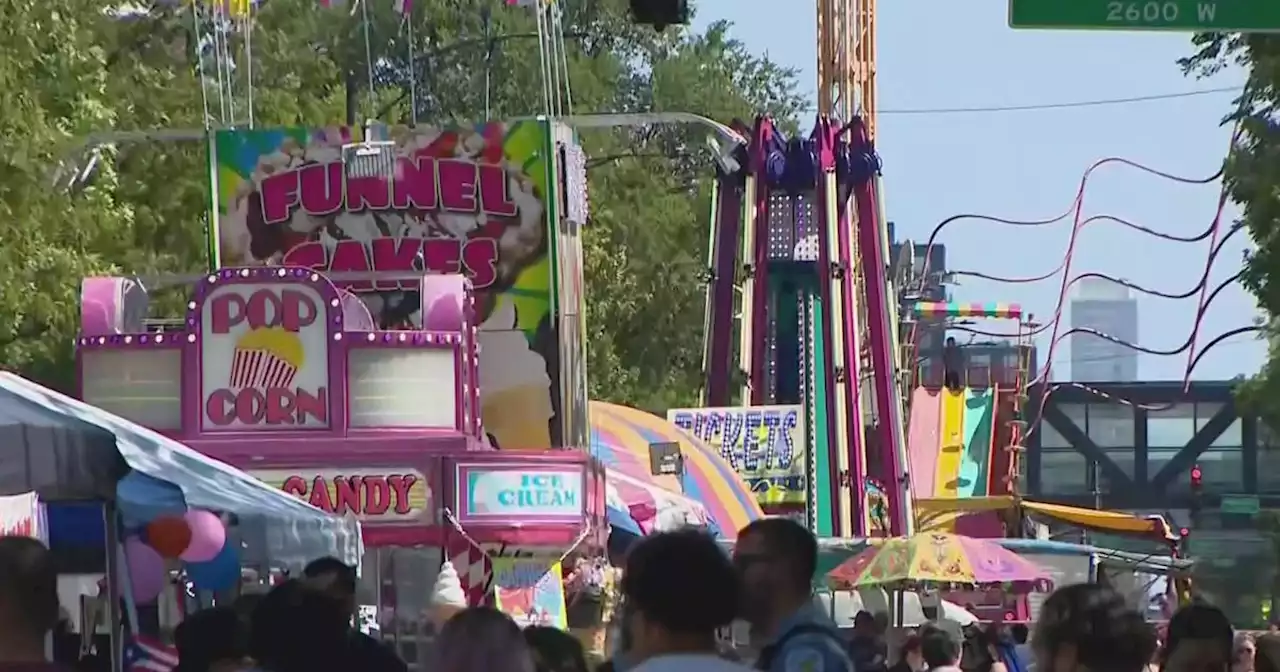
x=1028, y=165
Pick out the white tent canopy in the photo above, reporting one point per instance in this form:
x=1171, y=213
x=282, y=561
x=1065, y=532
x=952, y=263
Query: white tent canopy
x=64, y=449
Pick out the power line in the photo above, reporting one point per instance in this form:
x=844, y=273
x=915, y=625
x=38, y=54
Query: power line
x=1066, y=105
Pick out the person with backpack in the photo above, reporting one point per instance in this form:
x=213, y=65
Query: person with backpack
x=776, y=559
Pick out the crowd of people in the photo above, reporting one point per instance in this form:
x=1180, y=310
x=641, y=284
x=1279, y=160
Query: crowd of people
x=680, y=589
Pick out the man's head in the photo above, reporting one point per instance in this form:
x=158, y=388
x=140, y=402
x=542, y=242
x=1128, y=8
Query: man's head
x=1199, y=639
x=864, y=624
x=776, y=558
x=951, y=341
x=298, y=625
x=938, y=647
x=28, y=591
x=1091, y=627
x=680, y=588
x=334, y=577
x=213, y=640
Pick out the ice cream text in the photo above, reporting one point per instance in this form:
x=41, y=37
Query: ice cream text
x=539, y=491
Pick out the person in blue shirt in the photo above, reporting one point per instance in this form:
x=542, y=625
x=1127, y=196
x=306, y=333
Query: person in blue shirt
x=776, y=559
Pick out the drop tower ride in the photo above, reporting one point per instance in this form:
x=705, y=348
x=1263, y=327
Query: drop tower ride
x=817, y=317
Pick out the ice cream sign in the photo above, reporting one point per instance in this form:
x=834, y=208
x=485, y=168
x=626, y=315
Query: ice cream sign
x=264, y=361
x=505, y=493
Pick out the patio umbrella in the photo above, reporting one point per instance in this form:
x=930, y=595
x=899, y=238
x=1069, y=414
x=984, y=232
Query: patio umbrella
x=940, y=560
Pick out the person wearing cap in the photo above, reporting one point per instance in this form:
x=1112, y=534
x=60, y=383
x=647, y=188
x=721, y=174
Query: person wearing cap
x=338, y=579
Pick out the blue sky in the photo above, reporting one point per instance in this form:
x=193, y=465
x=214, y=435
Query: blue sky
x=1028, y=165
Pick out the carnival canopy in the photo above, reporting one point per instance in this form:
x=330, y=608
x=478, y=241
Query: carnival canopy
x=64, y=450
x=620, y=437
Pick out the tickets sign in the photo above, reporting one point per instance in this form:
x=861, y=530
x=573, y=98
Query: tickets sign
x=765, y=445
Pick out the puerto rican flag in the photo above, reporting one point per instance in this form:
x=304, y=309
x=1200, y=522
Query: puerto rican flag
x=144, y=654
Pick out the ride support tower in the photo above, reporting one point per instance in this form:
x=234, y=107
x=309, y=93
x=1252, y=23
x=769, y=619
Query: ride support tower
x=817, y=315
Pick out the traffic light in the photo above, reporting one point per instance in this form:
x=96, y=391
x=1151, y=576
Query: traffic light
x=1197, y=482
x=660, y=13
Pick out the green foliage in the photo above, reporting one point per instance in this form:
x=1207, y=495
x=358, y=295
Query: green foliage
x=68, y=68
x=1252, y=176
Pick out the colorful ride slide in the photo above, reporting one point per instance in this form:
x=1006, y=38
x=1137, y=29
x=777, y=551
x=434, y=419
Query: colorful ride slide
x=923, y=440
x=975, y=460
x=947, y=473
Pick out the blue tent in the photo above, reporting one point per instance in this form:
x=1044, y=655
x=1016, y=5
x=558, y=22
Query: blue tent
x=66, y=450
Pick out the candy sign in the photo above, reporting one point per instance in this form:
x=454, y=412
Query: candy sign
x=264, y=358
x=522, y=493
x=374, y=495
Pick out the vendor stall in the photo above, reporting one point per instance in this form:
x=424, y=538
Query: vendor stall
x=280, y=372
x=165, y=505
x=66, y=450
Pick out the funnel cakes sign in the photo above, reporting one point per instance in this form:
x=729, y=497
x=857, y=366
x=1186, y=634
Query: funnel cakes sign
x=470, y=200
x=264, y=357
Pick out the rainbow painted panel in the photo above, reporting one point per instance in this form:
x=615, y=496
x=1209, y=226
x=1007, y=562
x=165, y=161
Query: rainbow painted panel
x=1010, y=311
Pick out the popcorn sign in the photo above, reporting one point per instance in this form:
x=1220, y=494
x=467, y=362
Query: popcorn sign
x=264, y=358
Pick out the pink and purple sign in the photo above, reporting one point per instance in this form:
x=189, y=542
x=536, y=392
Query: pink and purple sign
x=283, y=351
x=264, y=357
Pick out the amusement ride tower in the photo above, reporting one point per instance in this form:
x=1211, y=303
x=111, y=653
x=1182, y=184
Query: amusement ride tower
x=818, y=323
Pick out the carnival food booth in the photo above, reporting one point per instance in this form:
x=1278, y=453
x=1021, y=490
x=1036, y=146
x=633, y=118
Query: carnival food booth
x=279, y=372
x=173, y=521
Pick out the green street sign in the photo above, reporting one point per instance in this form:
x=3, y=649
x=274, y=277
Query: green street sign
x=1240, y=505
x=1236, y=16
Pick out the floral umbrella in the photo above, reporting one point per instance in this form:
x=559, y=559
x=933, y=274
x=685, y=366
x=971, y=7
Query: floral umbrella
x=938, y=560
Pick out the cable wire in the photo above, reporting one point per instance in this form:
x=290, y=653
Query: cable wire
x=1065, y=105
x=1076, y=210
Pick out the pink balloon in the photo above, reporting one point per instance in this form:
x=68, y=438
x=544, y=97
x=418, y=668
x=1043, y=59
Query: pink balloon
x=208, y=536
x=146, y=570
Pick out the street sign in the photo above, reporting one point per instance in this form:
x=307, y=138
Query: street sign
x=1240, y=505
x=1244, y=16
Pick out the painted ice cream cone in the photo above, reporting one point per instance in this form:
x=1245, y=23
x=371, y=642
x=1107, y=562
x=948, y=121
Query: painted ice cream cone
x=515, y=390
x=266, y=357
x=447, y=597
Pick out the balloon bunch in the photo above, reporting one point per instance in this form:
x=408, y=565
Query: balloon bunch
x=197, y=538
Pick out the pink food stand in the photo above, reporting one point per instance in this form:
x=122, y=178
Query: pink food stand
x=278, y=372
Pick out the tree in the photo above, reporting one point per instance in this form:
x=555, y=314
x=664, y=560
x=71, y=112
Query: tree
x=70, y=69
x=1252, y=179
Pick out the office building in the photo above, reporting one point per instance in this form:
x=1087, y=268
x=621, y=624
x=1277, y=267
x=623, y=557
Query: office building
x=1109, y=308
